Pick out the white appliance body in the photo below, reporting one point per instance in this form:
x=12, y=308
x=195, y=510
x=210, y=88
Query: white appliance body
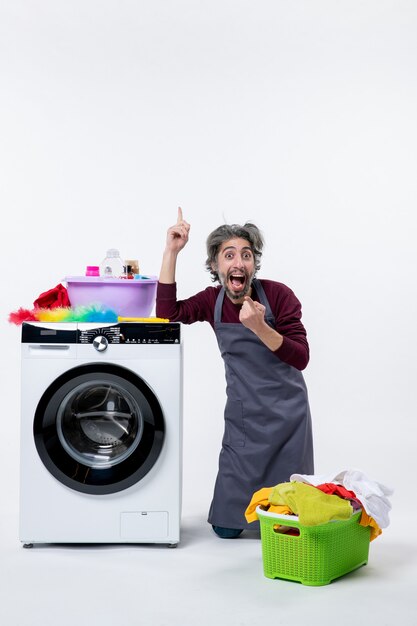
x=101, y=433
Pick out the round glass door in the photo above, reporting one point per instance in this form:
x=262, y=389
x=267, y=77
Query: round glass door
x=99, y=428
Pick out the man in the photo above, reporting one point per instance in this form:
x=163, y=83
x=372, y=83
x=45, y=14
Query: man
x=263, y=343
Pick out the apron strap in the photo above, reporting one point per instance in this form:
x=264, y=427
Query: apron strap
x=264, y=300
x=218, y=307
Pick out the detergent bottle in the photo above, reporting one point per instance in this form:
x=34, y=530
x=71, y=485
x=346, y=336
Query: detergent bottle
x=112, y=265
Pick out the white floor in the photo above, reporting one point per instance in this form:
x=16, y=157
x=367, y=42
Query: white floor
x=204, y=581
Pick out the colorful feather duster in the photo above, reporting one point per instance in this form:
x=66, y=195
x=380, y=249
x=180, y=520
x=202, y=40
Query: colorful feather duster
x=91, y=313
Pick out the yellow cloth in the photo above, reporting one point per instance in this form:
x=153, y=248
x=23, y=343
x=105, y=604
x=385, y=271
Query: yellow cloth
x=260, y=498
x=312, y=506
x=143, y=319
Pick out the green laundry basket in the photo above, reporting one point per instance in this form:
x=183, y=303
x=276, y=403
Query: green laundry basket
x=315, y=556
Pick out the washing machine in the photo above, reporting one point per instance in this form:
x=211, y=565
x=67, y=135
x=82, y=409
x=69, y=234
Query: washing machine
x=101, y=433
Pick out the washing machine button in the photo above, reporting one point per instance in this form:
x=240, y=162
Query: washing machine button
x=100, y=343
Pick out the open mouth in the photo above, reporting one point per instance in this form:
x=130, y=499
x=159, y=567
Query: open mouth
x=237, y=281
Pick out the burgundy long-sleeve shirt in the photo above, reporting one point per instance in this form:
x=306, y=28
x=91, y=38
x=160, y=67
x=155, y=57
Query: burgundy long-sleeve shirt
x=200, y=308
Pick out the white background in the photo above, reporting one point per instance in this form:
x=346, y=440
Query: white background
x=298, y=115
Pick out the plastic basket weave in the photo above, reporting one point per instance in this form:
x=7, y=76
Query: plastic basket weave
x=316, y=556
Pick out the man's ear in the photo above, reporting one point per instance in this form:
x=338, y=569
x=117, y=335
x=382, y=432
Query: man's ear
x=214, y=266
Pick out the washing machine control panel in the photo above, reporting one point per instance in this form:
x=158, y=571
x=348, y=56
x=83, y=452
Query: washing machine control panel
x=101, y=335
x=151, y=333
x=130, y=333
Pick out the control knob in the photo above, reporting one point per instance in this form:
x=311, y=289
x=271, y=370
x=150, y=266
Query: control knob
x=100, y=343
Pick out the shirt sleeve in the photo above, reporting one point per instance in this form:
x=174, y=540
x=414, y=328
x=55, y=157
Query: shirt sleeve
x=294, y=349
x=198, y=308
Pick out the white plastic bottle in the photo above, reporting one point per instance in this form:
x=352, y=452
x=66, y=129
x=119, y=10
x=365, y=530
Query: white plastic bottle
x=112, y=265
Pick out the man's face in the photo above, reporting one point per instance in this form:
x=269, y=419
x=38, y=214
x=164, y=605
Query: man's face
x=235, y=265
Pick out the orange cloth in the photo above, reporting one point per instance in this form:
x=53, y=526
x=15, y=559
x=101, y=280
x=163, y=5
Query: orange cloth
x=367, y=520
x=260, y=498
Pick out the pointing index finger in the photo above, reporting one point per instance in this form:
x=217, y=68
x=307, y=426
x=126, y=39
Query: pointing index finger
x=180, y=217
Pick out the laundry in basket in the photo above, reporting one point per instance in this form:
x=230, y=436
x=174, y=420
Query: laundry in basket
x=314, y=531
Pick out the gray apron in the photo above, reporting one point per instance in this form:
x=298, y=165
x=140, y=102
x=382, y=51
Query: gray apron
x=267, y=434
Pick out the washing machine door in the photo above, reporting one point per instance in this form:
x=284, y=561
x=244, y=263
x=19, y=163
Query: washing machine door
x=99, y=428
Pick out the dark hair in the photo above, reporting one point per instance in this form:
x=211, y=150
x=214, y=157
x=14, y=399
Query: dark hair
x=248, y=231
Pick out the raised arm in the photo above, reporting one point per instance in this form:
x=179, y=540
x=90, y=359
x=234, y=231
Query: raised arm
x=177, y=237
